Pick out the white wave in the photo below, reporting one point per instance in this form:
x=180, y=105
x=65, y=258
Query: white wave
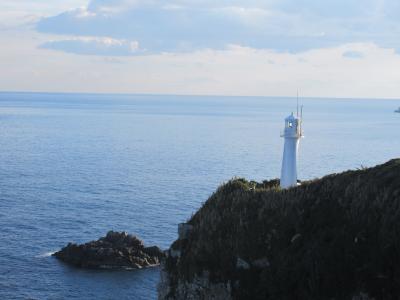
x=46, y=254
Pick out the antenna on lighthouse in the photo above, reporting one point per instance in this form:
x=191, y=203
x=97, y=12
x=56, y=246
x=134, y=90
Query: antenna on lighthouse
x=297, y=103
x=301, y=120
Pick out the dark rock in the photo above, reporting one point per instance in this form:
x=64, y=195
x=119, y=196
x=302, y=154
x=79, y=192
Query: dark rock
x=261, y=263
x=184, y=231
x=295, y=237
x=242, y=264
x=154, y=251
x=115, y=250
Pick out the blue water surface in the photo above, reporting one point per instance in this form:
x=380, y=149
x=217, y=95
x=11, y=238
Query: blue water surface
x=73, y=167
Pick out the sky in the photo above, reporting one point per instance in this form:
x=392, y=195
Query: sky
x=330, y=48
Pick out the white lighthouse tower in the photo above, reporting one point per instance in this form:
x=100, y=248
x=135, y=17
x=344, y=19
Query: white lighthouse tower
x=292, y=135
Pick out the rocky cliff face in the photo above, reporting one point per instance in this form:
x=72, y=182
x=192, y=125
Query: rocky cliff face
x=333, y=238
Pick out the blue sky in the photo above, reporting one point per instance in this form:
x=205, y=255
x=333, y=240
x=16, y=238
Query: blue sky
x=325, y=48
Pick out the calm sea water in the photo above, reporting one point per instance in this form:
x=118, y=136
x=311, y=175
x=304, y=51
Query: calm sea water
x=73, y=167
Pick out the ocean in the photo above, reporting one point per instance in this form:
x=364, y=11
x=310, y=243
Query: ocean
x=74, y=166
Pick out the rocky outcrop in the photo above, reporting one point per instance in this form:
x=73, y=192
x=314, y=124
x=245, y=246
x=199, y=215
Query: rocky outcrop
x=115, y=250
x=200, y=287
x=333, y=238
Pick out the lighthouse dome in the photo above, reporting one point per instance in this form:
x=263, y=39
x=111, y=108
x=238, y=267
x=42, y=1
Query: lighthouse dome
x=291, y=118
x=292, y=127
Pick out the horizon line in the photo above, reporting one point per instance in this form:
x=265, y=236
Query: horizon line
x=193, y=95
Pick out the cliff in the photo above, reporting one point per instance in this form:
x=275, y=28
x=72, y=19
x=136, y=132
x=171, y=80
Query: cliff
x=333, y=238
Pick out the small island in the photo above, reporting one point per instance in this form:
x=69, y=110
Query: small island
x=115, y=250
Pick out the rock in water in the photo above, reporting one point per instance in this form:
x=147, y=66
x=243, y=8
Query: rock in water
x=115, y=250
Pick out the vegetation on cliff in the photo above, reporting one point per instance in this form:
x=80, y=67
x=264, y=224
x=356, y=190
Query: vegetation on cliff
x=332, y=238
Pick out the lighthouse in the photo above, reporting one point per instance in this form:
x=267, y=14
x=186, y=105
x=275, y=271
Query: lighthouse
x=292, y=135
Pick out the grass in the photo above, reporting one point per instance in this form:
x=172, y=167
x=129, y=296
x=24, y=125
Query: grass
x=330, y=238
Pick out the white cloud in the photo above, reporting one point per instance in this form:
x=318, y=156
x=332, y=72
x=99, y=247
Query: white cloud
x=105, y=46
x=252, y=16
x=236, y=70
x=115, y=6
x=82, y=12
x=343, y=48
x=184, y=25
x=353, y=54
x=15, y=13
